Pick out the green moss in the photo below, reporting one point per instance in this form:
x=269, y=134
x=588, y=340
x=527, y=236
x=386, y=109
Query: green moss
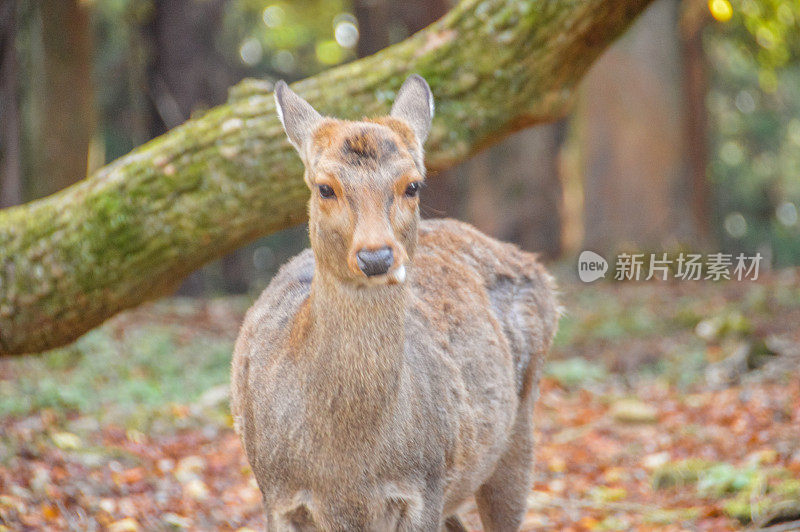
x=739, y=508
x=670, y=516
x=747, y=493
x=778, y=503
x=679, y=474
x=721, y=479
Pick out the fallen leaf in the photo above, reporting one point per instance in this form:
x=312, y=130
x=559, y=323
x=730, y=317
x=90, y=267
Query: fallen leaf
x=128, y=524
x=633, y=411
x=66, y=441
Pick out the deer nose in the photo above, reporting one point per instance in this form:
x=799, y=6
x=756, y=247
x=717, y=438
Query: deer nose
x=375, y=261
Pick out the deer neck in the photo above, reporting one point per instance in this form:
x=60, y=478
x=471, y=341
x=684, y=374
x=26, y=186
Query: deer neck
x=355, y=338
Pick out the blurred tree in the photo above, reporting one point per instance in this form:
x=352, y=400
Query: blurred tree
x=705, y=140
x=10, y=172
x=138, y=226
x=693, y=18
x=289, y=40
x=511, y=191
x=382, y=22
x=514, y=189
x=186, y=73
x=753, y=50
x=67, y=118
x=373, y=18
x=631, y=129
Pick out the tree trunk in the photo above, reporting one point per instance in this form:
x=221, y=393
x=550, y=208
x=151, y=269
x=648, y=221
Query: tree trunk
x=138, y=226
x=515, y=191
x=694, y=18
x=384, y=22
x=373, y=23
x=631, y=123
x=512, y=191
x=185, y=70
x=10, y=173
x=67, y=111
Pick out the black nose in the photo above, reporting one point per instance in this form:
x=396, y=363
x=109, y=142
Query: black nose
x=375, y=261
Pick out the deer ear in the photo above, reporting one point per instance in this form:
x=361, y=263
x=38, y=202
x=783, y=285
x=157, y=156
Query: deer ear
x=414, y=105
x=299, y=119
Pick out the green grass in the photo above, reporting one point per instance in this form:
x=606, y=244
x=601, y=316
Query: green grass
x=575, y=372
x=594, y=316
x=750, y=491
x=147, y=368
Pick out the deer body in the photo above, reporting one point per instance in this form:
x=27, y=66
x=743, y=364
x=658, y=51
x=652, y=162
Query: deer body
x=389, y=374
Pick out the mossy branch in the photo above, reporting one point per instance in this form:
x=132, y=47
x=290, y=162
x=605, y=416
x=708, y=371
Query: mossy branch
x=133, y=230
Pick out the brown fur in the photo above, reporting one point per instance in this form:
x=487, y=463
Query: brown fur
x=370, y=404
x=401, y=129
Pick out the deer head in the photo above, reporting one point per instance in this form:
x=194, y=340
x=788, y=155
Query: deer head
x=364, y=179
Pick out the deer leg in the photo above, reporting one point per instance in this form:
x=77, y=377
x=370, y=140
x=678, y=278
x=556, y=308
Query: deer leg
x=502, y=499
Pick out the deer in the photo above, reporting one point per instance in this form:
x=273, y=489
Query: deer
x=389, y=373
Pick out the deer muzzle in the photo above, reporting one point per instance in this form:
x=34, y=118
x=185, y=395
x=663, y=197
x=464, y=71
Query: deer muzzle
x=375, y=261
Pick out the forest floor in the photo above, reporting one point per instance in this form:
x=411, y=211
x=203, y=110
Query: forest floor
x=665, y=406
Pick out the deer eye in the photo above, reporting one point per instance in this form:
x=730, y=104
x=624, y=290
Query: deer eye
x=412, y=189
x=326, y=191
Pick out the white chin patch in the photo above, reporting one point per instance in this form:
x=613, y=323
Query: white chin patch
x=400, y=274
